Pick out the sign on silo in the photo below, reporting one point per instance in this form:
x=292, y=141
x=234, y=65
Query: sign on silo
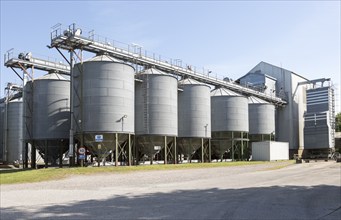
x=99, y=138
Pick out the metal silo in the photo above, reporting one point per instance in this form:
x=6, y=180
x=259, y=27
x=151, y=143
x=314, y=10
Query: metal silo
x=261, y=119
x=48, y=108
x=156, y=113
x=2, y=123
x=12, y=138
x=104, y=105
x=194, y=109
x=230, y=123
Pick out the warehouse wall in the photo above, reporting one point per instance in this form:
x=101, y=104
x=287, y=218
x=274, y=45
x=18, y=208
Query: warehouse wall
x=289, y=119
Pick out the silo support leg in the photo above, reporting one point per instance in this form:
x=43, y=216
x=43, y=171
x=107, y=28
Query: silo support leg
x=46, y=154
x=209, y=151
x=129, y=149
x=116, y=149
x=136, y=151
x=166, y=146
x=202, y=150
x=26, y=155
x=60, y=156
x=242, y=146
x=242, y=150
x=232, y=148
x=33, y=156
x=73, y=158
x=175, y=153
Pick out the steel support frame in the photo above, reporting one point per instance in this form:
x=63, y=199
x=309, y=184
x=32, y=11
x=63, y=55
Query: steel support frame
x=33, y=155
x=205, y=150
x=238, y=143
x=169, y=150
x=124, y=151
x=26, y=107
x=244, y=143
x=73, y=122
x=89, y=44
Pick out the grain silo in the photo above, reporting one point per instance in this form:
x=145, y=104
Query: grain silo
x=2, y=122
x=194, y=116
x=230, y=123
x=156, y=113
x=48, y=116
x=261, y=119
x=104, y=105
x=12, y=136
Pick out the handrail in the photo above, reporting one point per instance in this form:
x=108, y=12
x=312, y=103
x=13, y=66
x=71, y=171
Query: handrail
x=72, y=38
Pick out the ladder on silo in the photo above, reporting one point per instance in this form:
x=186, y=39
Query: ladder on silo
x=332, y=116
x=145, y=88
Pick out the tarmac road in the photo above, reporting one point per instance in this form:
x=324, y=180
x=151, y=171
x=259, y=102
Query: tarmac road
x=299, y=191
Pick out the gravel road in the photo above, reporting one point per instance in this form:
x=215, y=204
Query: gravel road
x=298, y=191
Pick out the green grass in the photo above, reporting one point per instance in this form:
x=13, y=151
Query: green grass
x=29, y=176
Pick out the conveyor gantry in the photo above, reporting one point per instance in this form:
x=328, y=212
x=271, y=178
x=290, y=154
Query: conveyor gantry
x=71, y=39
x=27, y=61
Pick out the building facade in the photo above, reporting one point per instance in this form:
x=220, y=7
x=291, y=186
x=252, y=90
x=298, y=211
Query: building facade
x=285, y=84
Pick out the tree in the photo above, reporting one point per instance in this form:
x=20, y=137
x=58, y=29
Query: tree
x=338, y=122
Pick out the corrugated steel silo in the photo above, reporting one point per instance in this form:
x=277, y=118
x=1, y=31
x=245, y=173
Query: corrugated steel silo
x=194, y=109
x=13, y=144
x=104, y=103
x=261, y=117
x=2, y=123
x=49, y=98
x=229, y=111
x=156, y=110
x=230, y=122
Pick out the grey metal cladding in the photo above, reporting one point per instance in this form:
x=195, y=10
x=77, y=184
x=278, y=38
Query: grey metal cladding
x=261, y=118
x=108, y=96
x=156, y=104
x=319, y=118
x=316, y=137
x=229, y=113
x=2, y=123
x=318, y=99
x=51, y=108
x=194, y=111
x=315, y=119
x=14, y=131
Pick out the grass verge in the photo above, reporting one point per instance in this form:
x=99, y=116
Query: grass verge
x=30, y=176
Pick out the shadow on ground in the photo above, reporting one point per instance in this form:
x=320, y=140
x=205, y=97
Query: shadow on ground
x=287, y=202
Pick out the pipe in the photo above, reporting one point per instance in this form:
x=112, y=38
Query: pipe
x=71, y=141
x=23, y=153
x=6, y=128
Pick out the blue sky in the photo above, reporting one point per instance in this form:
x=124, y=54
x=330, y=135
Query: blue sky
x=227, y=37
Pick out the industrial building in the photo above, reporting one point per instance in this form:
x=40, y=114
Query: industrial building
x=285, y=84
x=296, y=90
x=126, y=105
x=319, y=120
